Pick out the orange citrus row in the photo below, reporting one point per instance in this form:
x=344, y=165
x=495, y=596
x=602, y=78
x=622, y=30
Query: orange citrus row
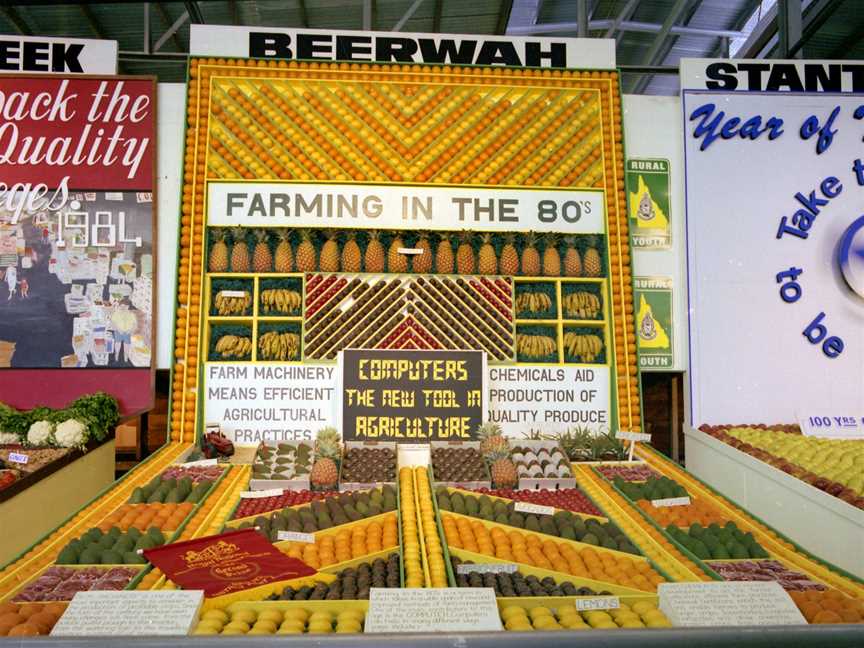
x=652, y=542
x=621, y=278
x=765, y=535
x=167, y=517
x=359, y=540
x=45, y=551
x=699, y=510
x=431, y=539
x=529, y=549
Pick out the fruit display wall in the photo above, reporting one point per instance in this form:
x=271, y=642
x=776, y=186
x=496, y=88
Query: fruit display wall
x=284, y=294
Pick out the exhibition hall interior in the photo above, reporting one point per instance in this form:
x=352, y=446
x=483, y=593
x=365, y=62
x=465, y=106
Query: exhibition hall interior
x=416, y=323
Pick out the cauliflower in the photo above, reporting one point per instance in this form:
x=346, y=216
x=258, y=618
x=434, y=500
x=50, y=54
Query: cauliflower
x=40, y=433
x=9, y=437
x=71, y=434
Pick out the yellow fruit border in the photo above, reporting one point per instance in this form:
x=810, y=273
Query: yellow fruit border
x=190, y=315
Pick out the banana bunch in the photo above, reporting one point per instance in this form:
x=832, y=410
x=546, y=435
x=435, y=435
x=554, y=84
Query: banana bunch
x=581, y=305
x=232, y=305
x=533, y=302
x=587, y=347
x=278, y=346
x=535, y=346
x=234, y=346
x=281, y=300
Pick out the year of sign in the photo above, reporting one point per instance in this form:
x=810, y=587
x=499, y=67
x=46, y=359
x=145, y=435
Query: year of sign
x=103, y=229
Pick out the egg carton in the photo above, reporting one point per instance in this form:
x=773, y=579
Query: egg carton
x=551, y=476
x=276, y=466
x=406, y=311
x=353, y=486
x=469, y=485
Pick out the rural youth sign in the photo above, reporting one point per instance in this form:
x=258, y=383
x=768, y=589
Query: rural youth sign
x=411, y=397
x=77, y=269
x=775, y=181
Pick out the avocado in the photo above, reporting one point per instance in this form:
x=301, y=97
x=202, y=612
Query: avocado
x=173, y=496
x=389, y=503
x=696, y=530
x=294, y=524
x=362, y=508
x=502, y=518
x=517, y=520
x=567, y=532
x=67, y=557
x=458, y=505
x=137, y=496
x=111, y=557
x=145, y=542
x=156, y=534
x=609, y=543
x=444, y=503
x=374, y=509
x=719, y=552
x=106, y=542
x=590, y=538
x=133, y=558
x=532, y=523
x=133, y=533
x=124, y=544
x=700, y=550
x=88, y=557
x=739, y=551
x=500, y=507
x=486, y=513
x=547, y=526
x=471, y=506
x=353, y=514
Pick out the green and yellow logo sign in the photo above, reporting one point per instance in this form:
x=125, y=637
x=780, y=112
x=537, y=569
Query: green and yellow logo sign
x=648, y=203
x=654, y=322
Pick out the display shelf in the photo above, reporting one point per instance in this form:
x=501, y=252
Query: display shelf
x=820, y=522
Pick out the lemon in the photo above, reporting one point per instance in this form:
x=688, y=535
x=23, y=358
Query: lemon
x=265, y=624
x=242, y=626
x=258, y=630
x=642, y=607
x=573, y=623
x=543, y=622
x=539, y=611
x=214, y=624
x=603, y=625
x=271, y=615
x=205, y=630
x=631, y=623
x=348, y=625
x=518, y=623
x=358, y=615
x=320, y=627
x=216, y=613
x=512, y=611
x=246, y=616
x=298, y=614
x=596, y=616
x=658, y=623
x=651, y=615
x=566, y=611
x=233, y=631
x=320, y=616
x=292, y=625
x=290, y=629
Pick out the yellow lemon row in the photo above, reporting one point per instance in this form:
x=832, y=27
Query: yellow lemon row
x=431, y=539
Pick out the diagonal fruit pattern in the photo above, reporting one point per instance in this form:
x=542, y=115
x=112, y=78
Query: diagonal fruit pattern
x=408, y=312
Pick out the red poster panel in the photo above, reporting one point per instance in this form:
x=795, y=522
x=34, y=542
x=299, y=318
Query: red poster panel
x=77, y=239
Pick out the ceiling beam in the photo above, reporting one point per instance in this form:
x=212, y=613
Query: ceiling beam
x=625, y=13
x=582, y=18
x=407, y=15
x=170, y=28
x=14, y=18
x=195, y=15
x=662, y=43
x=90, y=17
x=623, y=26
x=816, y=17
x=235, y=11
x=523, y=13
x=304, y=13
x=788, y=26
x=854, y=38
x=436, y=16
x=762, y=33
x=503, y=16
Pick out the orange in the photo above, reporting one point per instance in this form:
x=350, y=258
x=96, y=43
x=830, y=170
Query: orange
x=827, y=616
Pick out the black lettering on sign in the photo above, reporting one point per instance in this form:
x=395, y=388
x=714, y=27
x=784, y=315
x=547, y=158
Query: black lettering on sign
x=35, y=56
x=784, y=77
x=411, y=396
x=269, y=45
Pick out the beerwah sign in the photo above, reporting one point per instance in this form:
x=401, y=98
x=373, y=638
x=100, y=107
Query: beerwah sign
x=43, y=55
x=402, y=47
x=410, y=396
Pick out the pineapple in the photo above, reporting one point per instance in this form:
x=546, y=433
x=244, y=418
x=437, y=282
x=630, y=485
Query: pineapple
x=487, y=262
x=444, y=255
x=374, y=257
x=572, y=262
x=509, y=264
x=551, y=257
x=503, y=473
x=305, y=258
x=591, y=264
x=530, y=257
x=351, y=257
x=465, y=255
x=284, y=253
x=422, y=263
x=396, y=261
x=493, y=444
x=325, y=472
x=218, y=253
x=262, y=258
x=240, y=251
x=329, y=259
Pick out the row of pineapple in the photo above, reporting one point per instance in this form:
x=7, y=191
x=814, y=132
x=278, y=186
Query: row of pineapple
x=287, y=250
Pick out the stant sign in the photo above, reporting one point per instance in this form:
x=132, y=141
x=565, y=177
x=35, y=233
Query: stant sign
x=400, y=47
x=57, y=55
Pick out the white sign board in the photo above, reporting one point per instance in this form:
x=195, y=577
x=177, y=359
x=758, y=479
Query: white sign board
x=487, y=568
x=829, y=426
x=398, y=207
x=775, y=182
x=536, y=509
x=269, y=402
x=316, y=44
x=550, y=399
x=758, y=603
x=462, y=609
x=43, y=55
x=127, y=614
